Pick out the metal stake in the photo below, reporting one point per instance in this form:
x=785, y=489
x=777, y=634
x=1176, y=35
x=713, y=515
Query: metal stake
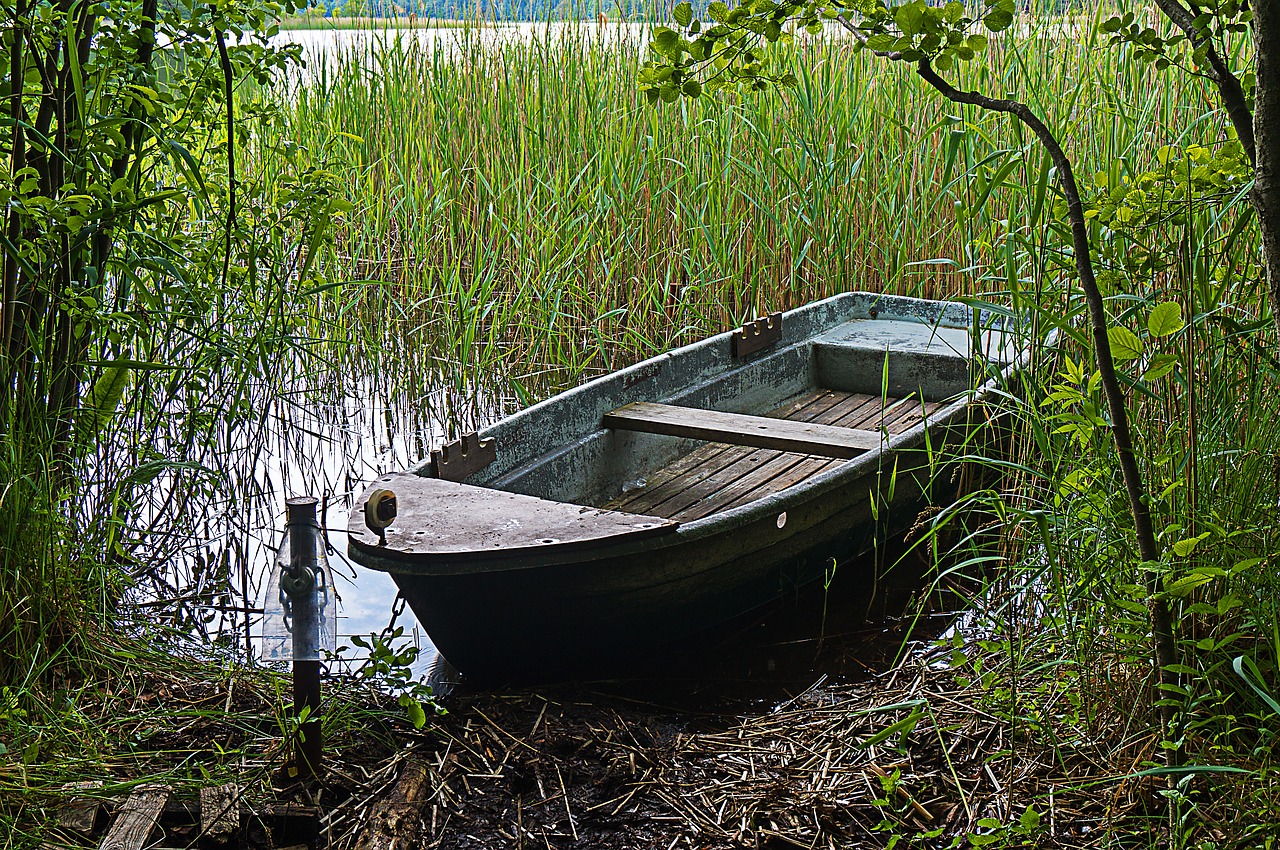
x=300, y=583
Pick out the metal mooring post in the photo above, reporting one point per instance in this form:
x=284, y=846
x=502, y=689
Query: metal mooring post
x=299, y=582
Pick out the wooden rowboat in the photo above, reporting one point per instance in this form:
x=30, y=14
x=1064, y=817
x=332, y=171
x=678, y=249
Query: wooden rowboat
x=687, y=489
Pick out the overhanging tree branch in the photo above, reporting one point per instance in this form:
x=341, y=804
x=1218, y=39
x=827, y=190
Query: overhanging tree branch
x=1121, y=433
x=1229, y=87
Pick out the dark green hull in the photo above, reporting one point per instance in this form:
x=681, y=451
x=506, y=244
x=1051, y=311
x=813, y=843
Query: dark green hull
x=513, y=612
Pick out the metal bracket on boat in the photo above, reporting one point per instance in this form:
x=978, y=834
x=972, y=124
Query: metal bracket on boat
x=463, y=457
x=758, y=335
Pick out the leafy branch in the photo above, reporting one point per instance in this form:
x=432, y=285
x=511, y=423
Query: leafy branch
x=930, y=39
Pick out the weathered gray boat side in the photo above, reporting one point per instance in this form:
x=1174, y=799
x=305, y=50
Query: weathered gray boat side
x=578, y=460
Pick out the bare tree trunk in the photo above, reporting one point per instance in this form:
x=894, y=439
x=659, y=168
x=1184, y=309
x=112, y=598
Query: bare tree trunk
x=1266, y=122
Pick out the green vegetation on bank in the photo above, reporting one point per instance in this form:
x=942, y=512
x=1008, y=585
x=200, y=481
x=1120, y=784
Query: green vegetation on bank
x=510, y=216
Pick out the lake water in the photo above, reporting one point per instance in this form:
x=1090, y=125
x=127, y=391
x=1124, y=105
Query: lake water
x=328, y=45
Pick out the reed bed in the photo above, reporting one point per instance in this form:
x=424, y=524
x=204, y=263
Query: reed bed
x=528, y=211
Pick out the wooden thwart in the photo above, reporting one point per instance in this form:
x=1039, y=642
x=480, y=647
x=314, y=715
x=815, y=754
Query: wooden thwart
x=743, y=430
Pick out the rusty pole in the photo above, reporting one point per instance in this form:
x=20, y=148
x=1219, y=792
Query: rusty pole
x=299, y=581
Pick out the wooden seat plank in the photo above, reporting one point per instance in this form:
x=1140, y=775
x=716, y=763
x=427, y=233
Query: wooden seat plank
x=742, y=429
x=450, y=519
x=755, y=468
x=711, y=458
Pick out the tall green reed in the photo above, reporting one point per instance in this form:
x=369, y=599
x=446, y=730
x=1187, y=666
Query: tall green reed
x=530, y=213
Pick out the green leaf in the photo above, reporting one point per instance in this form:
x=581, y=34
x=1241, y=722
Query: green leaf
x=417, y=716
x=881, y=41
x=1125, y=344
x=1161, y=365
x=1240, y=566
x=1247, y=670
x=718, y=12
x=1184, y=548
x=1165, y=319
x=910, y=18
x=667, y=42
x=906, y=726
x=997, y=20
x=683, y=14
x=105, y=397
x=1183, y=587
x=692, y=88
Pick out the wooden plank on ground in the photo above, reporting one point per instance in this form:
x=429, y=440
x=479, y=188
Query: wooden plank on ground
x=220, y=811
x=80, y=813
x=395, y=822
x=136, y=818
x=743, y=430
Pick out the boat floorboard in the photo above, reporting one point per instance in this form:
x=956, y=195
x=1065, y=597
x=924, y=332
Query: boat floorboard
x=716, y=477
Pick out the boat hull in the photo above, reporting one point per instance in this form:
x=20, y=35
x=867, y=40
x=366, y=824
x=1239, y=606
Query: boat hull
x=511, y=625
x=525, y=616
x=530, y=609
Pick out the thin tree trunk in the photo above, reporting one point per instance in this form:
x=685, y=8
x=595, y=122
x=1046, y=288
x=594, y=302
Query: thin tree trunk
x=1148, y=549
x=1266, y=122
